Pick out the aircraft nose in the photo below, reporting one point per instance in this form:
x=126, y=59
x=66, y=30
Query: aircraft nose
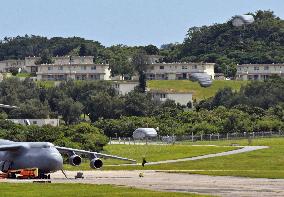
x=56, y=162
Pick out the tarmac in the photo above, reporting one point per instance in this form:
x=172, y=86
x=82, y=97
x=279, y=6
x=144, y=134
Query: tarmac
x=176, y=182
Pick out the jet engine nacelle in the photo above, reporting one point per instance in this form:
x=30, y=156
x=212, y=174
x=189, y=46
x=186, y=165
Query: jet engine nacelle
x=96, y=163
x=75, y=160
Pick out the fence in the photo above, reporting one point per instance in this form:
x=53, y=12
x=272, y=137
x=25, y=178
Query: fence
x=201, y=137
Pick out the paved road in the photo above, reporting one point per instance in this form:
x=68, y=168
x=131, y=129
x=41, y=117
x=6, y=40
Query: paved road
x=242, y=149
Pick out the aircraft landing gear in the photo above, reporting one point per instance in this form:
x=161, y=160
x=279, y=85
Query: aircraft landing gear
x=43, y=176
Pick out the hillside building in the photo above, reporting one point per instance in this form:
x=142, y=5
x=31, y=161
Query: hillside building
x=182, y=98
x=62, y=68
x=38, y=122
x=259, y=71
x=69, y=67
x=124, y=87
x=6, y=65
x=176, y=71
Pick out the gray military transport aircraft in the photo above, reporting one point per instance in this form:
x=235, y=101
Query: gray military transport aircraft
x=44, y=156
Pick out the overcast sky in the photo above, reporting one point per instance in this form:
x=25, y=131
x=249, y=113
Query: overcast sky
x=129, y=22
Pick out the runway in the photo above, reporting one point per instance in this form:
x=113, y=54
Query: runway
x=202, y=184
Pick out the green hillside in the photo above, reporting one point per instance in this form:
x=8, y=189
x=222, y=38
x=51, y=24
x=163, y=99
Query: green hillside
x=199, y=92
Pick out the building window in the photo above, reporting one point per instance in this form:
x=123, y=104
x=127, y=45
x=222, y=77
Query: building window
x=194, y=67
x=265, y=77
x=266, y=67
x=93, y=68
x=184, y=67
x=256, y=68
x=151, y=76
x=49, y=68
x=162, y=67
x=83, y=68
x=34, y=122
x=60, y=68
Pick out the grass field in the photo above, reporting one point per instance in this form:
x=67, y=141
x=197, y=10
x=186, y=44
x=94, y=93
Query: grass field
x=266, y=163
x=46, y=84
x=199, y=92
x=24, y=75
x=77, y=190
x=153, y=153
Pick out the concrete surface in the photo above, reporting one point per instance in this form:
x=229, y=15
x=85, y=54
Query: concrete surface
x=173, y=182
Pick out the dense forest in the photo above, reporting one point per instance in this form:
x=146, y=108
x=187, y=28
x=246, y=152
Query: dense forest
x=223, y=44
x=258, y=106
x=71, y=99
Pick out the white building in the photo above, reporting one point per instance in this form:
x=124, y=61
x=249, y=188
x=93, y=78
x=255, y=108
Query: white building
x=38, y=122
x=62, y=68
x=181, y=98
x=124, y=87
x=259, y=71
x=69, y=67
x=174, y=71
x=5, y=65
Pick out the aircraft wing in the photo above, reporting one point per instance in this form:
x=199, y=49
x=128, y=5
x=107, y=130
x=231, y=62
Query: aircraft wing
x=11, y=147
x=96, y=154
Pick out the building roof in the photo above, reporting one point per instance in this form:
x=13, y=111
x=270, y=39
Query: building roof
x=246, y=65
x=125, y=82
x=183, y=63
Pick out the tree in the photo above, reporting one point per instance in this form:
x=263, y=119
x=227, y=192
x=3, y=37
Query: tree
x=14, y=71
x=45, y=58
x=139, y=61
x=70, y=110
x=83, y=50
x=103, y=105
x=138, y=104
x=90, y=137
x=33, y=109
x=151, y=50
x=121, y=65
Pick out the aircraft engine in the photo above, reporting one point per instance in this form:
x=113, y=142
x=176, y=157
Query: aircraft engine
x=96, y=163
x=75, y=160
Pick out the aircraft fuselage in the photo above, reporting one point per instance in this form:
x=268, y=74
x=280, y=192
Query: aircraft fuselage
x=41, y=155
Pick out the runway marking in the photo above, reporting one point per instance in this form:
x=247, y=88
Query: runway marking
x=243, y=149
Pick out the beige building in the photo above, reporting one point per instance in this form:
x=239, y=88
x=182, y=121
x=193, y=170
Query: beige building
x=174, y=71
x=38, y=122
x=69, y=67
x=259, y=71
x=5, y=65
x=62, y=68
x=182, y=98
x=124, y=87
